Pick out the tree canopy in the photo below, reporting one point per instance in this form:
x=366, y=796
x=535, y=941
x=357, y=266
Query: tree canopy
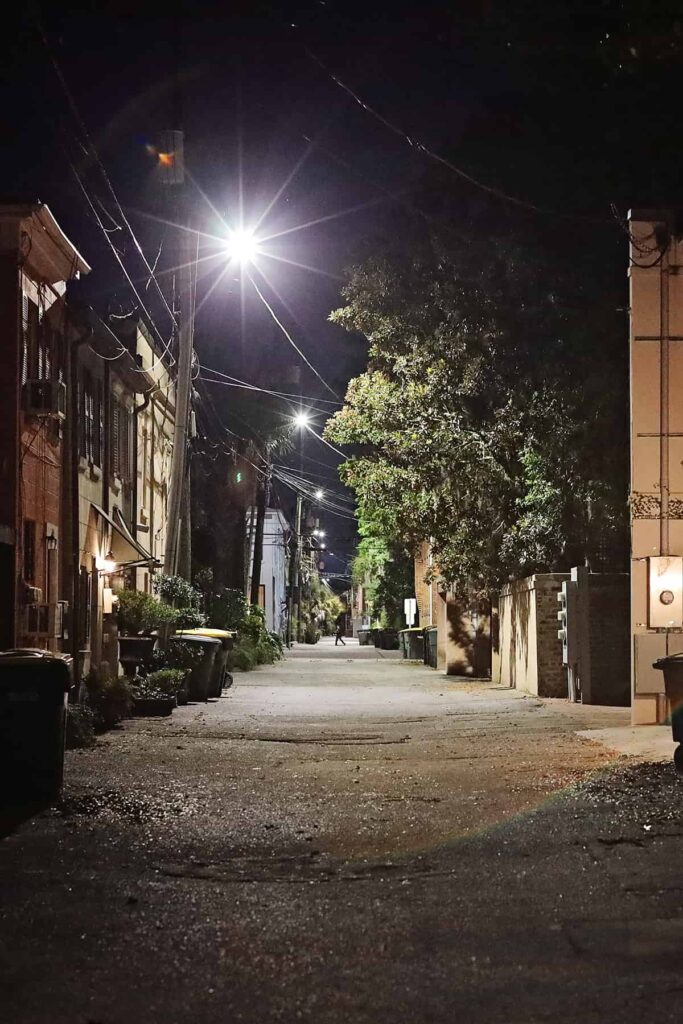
x=491, y=417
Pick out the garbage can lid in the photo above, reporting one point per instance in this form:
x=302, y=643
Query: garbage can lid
x=196, y=638
x=670, y=659
x=25, y=657
x=208, y=631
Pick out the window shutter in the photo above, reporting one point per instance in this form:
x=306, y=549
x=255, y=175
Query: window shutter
x=115, y=438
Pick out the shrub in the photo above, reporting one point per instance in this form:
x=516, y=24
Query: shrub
x=265, y=653
x=182, y=655
x=277, y=642
x=175, y=590
x=229, y=609
x=189, y=618
x=80, y=727
x=110, y=699
x=166, y=681
x=243, y=656
x=140, y=613
x=311, y=633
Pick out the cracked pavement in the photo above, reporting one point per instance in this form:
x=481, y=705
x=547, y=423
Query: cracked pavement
x=349, y=837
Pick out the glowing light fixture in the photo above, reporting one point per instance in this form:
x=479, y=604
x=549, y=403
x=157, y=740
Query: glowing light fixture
x=319, y=494
x=302, y=419
x=107, y=564
x=241, y=246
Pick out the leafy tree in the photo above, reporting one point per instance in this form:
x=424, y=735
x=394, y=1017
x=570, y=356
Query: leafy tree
x=491, y=417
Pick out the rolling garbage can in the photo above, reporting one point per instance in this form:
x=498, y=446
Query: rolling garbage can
x=364, y=637
x=672, y=667
x=430, y=635
x=220, y=677
x=34, y=691
x=412, y=643
x=200, y=677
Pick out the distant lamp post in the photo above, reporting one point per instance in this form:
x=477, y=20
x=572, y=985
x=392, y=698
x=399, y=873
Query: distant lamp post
x=319, y=494
x=301, y=419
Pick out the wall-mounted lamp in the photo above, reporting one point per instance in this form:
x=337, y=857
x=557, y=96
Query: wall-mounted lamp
x=51, y=541
x=108, y=564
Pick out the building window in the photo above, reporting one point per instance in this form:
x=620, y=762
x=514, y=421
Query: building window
x=29, y=339
x=29, y=551
x=120, y=441
x=90, y=419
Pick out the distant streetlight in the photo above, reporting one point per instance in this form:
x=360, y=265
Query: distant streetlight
x=319, y=494
x=302, y=419
x=242, y=246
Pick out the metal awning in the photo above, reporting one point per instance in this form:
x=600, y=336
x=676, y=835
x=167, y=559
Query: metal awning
x=137, y=555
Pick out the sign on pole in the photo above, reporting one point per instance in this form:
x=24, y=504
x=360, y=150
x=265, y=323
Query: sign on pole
x=410, y=610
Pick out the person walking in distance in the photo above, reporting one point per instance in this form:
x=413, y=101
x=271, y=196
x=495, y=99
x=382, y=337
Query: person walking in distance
x=340, y=623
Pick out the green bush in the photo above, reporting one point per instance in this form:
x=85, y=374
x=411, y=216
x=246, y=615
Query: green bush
x=140, y=613
x=311, y=633
x=166, y=681
x=189, y=618
x=180, y=654
x=277, y=642
x=229, y=609
x=110, y=699
x=175, y=590
x=265, y=653
x=80, y=727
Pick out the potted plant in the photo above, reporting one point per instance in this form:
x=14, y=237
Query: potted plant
x=156, y=694
x=138, y=614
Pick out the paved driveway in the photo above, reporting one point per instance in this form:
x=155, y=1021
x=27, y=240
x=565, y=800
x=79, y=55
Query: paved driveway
x=347, y=837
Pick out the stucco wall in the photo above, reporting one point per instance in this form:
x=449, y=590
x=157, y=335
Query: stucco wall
x=529, y=650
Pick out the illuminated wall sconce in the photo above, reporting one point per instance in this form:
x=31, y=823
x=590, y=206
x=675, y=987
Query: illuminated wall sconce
x=107, y=565
x=51, y=540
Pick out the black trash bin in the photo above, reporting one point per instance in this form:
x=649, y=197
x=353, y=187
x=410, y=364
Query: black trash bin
x=200, y=676
x=672, y=667
x=34, y=690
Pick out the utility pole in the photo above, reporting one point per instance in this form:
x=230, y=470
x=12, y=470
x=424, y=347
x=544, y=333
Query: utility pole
x=293, y=601
x=262, y=501
x=184, y=335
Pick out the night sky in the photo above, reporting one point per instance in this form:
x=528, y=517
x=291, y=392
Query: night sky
x=571, y=106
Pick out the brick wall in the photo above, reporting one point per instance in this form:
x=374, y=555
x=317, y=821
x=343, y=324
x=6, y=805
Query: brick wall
x=530, y=654
x=552, y=674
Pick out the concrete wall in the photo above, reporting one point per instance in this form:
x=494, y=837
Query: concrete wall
x=529, y=652
x=467, y=641
x=656, y=350
x=274, y=569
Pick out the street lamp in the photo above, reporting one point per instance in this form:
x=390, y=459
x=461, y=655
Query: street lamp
x=242, y=246
x=319, y=494
x=302, y=419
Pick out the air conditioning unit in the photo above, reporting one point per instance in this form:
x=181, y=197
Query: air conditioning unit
x=45, y=398
x=45, y=620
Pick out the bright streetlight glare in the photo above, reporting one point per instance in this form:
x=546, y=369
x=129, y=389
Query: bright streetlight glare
x=302, y=419
x=319, y=494
x=241, y=246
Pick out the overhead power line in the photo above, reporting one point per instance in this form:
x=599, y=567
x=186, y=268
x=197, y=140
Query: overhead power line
x=420, y=147
x=290, y=339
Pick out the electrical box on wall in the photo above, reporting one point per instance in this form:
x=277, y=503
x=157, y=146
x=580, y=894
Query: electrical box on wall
x=665, y=592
